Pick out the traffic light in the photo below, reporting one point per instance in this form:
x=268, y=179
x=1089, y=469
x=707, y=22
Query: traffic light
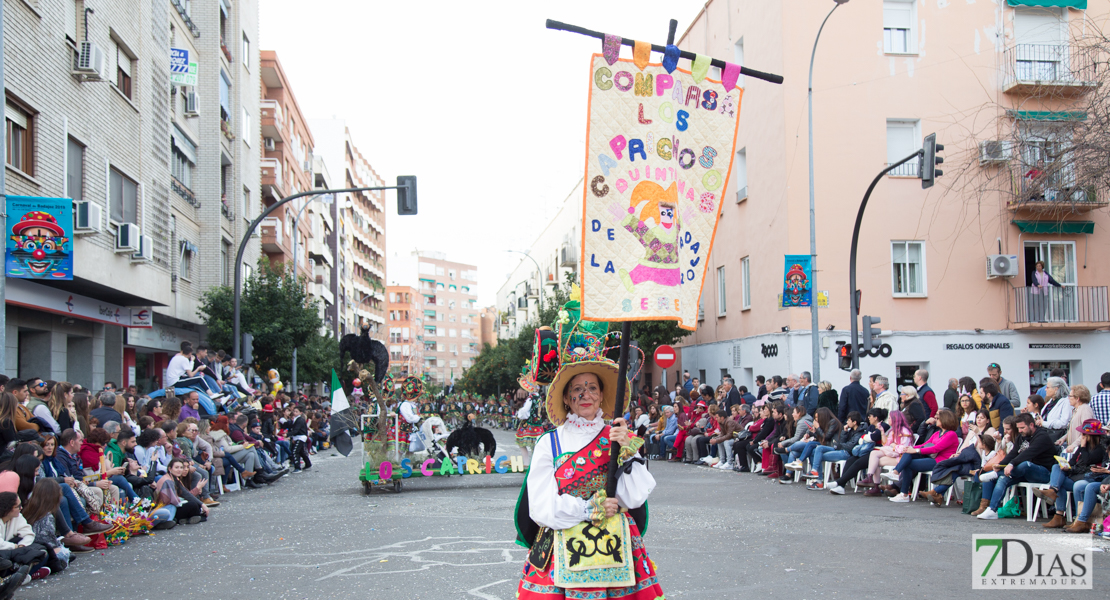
x=406, y=194
x=870, y=333
x=930, y=160
x=844, y=354
x=248, y=350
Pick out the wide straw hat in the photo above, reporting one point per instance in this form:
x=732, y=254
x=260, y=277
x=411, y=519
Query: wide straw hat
x=606, y=372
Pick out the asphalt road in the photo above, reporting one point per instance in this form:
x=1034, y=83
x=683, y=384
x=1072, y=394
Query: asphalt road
x=712, y=534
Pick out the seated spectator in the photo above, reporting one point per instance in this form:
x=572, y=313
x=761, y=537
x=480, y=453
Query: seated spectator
x=964, y=464
x=69, y=465
x=981, y=426
x=178, y=505
x=795, y=445
x=1082, y=471
x=1030, y=460
x=120, y=454
x=245, y=457
x=40, y=511
x=895, y=441
x=697, y=446
x=923, y=457
x=200, y=471
x=774, y=446
x=667, y=428
x=760, y=429
x=17, y=539
x=150, y=452
x=823, y=431
x=107, y=410
x=153, y=411
x=839, y=449
x=726, y=432
x=967, y=413
x=997, y=405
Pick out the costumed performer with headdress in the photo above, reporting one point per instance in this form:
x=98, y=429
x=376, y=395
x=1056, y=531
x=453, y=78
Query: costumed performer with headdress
x=582, y=544
x=531, y=425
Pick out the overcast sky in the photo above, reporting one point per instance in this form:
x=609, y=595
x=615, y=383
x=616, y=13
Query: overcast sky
x=479, y=100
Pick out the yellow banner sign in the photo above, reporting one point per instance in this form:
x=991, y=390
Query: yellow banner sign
x=659, y=154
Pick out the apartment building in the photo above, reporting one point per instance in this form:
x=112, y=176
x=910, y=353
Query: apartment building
x=448, y=316
x=406, y=340
x=90, y=105
x=543, y=266
x=949, y=269
x=359, y=229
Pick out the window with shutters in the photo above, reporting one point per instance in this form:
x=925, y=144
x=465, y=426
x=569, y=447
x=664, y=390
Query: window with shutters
x=1041, y=45
x=18, y=133
x=899, y=30
x=123, y=71
x=902, y=139
x=745, y=283
x=75, y=170
x=908, y=260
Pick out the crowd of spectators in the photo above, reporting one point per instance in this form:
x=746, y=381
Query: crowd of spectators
x=972, y=444
x=69, y=457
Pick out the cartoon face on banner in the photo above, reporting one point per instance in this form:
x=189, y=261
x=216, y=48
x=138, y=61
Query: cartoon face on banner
x=659, y=153
x=39, y=245
x=796, y=287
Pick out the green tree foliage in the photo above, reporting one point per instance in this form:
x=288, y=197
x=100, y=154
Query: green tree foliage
x=277, y=310
x=497, y=368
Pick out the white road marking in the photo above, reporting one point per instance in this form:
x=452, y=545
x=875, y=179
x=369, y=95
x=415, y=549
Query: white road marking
x=475, y=592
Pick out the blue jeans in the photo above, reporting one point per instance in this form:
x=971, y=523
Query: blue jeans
x=122, y=483
x=823, y=453
x=1025, y=472
x=908, y=467
x=800, y=451
x=72, y=508
x=166, y=513
x=282, y=450
x=1085, y=490
x=668, y=442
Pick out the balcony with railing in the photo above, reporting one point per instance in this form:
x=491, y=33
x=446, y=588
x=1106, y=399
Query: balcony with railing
x=1067, y=307
x=272, y=177
x=272, y=119
x=272, y=235
x=1051, y=189
x=909, y=169
x=184, y=192
x=1048, y=69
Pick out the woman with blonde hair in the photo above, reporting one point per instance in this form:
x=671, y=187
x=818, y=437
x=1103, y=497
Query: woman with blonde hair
x=827, y=397
x=1080, y=399
x=59, y=403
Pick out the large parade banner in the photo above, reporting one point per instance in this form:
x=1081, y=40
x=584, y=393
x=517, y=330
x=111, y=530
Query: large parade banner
x=660, y=146
x=796, y=287
x=40, y=242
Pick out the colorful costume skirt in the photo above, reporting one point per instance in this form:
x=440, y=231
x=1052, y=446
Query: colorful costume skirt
x=539, y=585
x=526, y=435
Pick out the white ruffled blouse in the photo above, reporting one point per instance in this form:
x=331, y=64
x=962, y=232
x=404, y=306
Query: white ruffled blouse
x=547, y=506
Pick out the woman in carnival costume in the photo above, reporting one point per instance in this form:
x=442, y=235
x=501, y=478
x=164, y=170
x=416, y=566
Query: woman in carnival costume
x=531, y=418
x=581, y=543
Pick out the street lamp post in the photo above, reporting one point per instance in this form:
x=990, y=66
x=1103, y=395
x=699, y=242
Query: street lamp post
x=814, y=332
x=238, y=291
x=539, y=273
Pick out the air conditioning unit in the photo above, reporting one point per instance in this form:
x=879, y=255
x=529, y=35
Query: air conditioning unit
x=308, y=169
x=701, y=314
x=87, y=217
x=741, y=194
x=269, y=144
x=1002, y=265
x=92, y=64
x=191, y=104
x=127, y=238
x=146, y=250
x=994, y=152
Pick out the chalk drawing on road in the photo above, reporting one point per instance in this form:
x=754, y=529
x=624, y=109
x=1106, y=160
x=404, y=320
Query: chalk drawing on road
x=414, y=555
x=475, y=592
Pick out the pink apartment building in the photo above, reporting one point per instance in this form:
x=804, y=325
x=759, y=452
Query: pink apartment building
x=1003, y=84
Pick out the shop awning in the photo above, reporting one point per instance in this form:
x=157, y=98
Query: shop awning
x=1047, y=115
x=1076, y=4
x=1055, y=226
x=22, y=292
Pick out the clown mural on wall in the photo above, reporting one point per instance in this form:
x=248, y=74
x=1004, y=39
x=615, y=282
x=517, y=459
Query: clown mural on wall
x=661, y=141
x=40, y=241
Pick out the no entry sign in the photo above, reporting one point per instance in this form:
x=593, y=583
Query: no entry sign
x=664, y=356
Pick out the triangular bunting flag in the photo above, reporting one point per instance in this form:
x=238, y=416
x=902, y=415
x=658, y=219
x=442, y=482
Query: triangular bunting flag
x=670, y=58
x=729, y=76
x=611, y=48
x=641, y=54
x=700, y=67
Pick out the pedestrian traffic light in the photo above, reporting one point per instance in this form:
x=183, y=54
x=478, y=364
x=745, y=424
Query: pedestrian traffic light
x=406, y=194
x=930, y=160
x=844, y=354
x=248, y=349
x=870, y=333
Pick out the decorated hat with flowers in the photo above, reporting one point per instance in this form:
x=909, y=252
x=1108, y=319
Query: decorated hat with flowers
x=1091, y=427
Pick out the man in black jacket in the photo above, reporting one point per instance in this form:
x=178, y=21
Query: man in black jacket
x=1030, y=460
x=854, y=397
